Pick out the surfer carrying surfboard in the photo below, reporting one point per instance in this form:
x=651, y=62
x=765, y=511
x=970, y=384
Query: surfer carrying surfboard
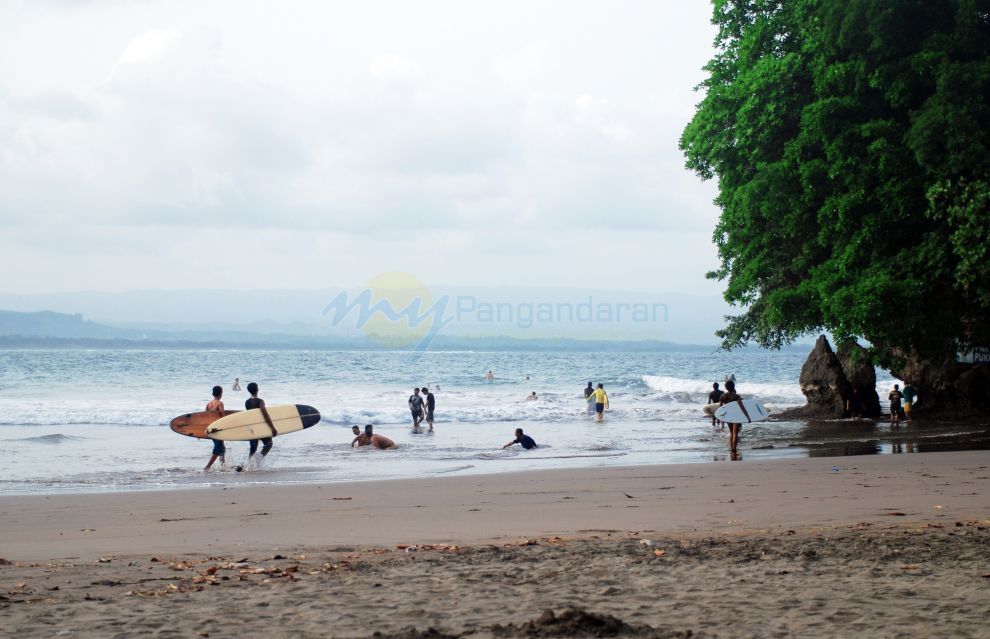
x=219, y=449
x=256, y=402
x=729, y=396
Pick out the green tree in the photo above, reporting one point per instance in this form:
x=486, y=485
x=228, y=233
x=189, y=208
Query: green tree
x=851, y=144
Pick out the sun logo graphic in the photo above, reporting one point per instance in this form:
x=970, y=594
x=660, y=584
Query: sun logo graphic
x=394, y=309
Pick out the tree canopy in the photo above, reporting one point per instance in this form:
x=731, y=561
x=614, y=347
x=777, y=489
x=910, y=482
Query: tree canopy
x=851, y=144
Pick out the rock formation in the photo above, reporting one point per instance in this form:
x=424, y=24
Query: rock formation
x=823, y=383
x=857, y=366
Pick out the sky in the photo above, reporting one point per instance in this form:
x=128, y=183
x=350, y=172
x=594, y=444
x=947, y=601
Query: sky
x=299, y=145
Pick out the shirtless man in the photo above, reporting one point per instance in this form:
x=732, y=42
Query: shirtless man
x=378, y=441
x=360, y=439
x=219, y=449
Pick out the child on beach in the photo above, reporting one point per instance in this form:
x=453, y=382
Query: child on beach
x=256, y=402
x=523, y=440
x=219, y=449
x=909, y=395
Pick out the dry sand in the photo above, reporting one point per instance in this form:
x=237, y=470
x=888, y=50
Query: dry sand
x=884, y=546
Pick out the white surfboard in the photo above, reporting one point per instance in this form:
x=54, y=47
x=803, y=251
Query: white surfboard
x=732, y=413
x=251, y=424
x=710, y=409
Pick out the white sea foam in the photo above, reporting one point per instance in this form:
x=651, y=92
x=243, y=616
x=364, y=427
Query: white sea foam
x=779, y=392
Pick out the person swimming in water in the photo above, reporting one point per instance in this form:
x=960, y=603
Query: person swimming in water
x=523, y=440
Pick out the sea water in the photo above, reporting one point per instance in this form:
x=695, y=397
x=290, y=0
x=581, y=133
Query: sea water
x=98, y=419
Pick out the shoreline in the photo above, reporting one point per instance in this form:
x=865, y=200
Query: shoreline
x=838, y=439
x=652, y=552
x=672, y=498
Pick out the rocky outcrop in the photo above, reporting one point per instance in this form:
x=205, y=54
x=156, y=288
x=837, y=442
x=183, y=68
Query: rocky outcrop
x=824, y=385
x=823, y=382
x=857, y=366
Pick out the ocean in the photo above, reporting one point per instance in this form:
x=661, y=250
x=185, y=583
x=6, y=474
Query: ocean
x=97, y=420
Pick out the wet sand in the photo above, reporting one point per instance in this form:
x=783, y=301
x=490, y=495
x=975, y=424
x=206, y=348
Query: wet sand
x=894, y=545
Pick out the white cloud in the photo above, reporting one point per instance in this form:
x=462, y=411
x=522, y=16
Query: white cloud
x=497, y=133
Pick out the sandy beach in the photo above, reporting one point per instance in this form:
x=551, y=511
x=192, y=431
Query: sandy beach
x=886, y=546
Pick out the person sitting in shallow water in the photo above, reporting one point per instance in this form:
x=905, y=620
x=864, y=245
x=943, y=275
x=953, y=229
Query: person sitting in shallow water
x=378, y=441
x=360, y=439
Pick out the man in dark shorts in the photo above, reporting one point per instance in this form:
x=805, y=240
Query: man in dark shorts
x=251, y=403
x=895, y=398
x=219, y=449
x=714, y=397
x=524, y=440
x=416, y=408
x=431, y=404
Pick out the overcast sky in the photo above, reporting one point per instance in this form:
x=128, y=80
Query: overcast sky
x=166, y=145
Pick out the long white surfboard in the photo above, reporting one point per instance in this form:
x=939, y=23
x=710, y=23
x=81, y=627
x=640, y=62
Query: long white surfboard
x=733, y=413
x=251, y=424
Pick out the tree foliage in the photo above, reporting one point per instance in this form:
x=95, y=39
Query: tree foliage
x=851, y=143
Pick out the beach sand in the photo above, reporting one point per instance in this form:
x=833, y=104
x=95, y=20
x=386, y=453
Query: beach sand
x=879, y=546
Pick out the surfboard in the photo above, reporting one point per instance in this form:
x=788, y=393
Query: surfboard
x=710, y=409
x=251, y=424
x=195, y=424
x=732, y=413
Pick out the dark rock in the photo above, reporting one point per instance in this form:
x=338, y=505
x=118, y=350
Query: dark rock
x=857, y=366
x=823, y=383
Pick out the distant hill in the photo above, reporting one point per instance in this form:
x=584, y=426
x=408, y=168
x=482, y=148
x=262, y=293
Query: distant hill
x=47, y=329
x=60, y=325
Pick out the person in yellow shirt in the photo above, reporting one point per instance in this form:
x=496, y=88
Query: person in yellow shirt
x=600, y=398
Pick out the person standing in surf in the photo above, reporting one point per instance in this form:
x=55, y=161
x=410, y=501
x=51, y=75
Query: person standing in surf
x=431, y=404
x=600, y=398
x=219, y=449
x=256, y=402
x=895, y=398
x=416, y=408
x=713, y=398
x=730, y=395
x=588, y=390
